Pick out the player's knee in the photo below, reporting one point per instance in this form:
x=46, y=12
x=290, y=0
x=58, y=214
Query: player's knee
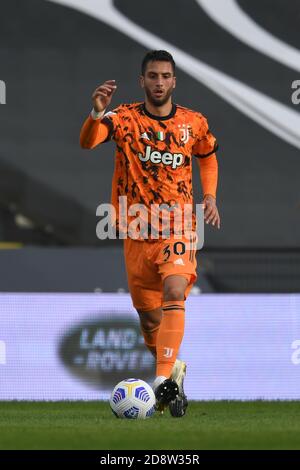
x=173, y=293
x=148, y=323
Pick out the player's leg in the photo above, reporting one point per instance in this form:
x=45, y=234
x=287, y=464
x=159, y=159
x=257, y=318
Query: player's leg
x=177, y=266
x=170, y=370
x=144, y=284
x=150, y=323
x=170, y=330
x=172, y=324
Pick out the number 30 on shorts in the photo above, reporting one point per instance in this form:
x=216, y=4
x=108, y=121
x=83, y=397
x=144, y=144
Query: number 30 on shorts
x=178, y=249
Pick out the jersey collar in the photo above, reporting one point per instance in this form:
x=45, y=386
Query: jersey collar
x=160, y=118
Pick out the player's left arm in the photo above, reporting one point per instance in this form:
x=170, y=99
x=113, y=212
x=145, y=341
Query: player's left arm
x=208, y=168
x=205, y=150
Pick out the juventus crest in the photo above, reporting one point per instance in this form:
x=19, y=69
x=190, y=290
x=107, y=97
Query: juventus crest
x=184, y=132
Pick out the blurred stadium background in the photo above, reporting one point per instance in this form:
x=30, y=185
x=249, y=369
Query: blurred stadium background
x=236, y=61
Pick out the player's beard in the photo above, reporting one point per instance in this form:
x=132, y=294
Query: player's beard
x=158, y=101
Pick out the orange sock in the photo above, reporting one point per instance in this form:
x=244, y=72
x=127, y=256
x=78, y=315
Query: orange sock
x=150, y=337
x=169, y=336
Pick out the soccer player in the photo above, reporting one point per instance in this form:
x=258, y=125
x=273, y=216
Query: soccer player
x=155, y=141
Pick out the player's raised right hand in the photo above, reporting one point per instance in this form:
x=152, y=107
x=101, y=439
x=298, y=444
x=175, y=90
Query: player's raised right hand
x=103, y=94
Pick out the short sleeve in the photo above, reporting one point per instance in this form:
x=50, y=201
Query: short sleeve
x=206, y=143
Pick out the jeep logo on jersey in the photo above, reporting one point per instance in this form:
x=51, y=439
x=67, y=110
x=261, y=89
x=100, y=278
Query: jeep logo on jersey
x=167, y=158
x=104, y=352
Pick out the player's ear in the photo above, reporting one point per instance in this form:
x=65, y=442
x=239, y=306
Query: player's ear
x=142, y=81
x=174, y=82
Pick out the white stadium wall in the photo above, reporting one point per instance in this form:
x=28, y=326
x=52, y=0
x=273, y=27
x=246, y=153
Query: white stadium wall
x=77, y=346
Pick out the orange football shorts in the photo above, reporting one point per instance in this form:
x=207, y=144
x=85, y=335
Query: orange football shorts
x=148, y=263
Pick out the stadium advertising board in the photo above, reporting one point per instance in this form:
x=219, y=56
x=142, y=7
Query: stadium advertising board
x=78, y=346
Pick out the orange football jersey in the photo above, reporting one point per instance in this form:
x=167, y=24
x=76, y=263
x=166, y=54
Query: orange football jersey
x=153, y=161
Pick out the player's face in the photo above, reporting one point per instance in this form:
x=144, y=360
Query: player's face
x=158, y=82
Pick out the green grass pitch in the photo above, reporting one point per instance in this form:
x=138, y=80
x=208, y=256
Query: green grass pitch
x=207, y=425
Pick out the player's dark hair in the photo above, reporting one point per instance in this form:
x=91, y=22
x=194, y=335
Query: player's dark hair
x=162, y=56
